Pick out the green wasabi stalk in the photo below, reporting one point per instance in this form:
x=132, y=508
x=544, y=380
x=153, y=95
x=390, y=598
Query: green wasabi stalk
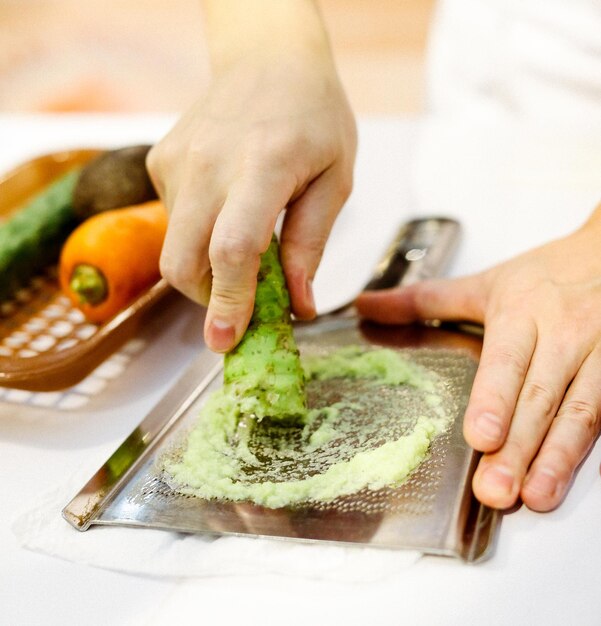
x=263, y=373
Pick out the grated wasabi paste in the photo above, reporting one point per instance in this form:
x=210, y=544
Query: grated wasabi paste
x=331, y=451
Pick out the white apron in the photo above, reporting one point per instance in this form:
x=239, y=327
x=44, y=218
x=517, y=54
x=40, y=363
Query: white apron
x=528, y=59
x=512, y=133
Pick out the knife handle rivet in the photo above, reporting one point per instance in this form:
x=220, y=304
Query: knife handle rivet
x=415, y=254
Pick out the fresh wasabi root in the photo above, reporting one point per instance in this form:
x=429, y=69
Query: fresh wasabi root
x=263, y=373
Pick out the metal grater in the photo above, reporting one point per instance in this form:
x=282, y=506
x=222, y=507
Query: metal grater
x=432, y=511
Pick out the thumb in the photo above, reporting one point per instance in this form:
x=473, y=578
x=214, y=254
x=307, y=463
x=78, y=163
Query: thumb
x=445, y=299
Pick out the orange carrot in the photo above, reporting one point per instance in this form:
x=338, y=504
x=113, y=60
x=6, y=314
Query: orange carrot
x=112, y=257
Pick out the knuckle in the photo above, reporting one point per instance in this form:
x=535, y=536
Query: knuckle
x=561, y=459
x=152, y=160
x=276, y=149
x=201, y=159
x=226, y=296
x=346, y=185
x=283, y=144
x=229, y=301
x=583, y=414
x=516, y=453
x=539, y=395
x=417, y=297
x=158, y=158
x=509, y=357
x=233, y=251
x=168, y=268
x=184, y=276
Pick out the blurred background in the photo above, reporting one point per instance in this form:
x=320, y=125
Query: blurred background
x=148, y=55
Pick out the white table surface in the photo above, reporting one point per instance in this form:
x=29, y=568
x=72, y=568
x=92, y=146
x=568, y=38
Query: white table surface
x=510, y=191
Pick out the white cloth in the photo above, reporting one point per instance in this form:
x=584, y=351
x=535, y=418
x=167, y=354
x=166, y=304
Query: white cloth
x=166, y=554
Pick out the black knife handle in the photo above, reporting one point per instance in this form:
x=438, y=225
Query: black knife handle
x=422, y=249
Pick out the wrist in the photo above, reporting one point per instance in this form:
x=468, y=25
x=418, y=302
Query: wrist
x=264, y=32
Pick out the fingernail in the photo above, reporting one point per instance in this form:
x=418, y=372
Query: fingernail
x=543, y=481
x=498, y=480
x=220, y=335
x=489, y=426
x=309, y=297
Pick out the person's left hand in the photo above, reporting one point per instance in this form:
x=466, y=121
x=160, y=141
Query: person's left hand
x=535, y=406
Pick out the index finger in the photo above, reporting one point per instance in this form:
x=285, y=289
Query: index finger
x=242, y=232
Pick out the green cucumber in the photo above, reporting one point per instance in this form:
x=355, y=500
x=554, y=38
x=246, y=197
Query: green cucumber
x=263, y=373
x=32, y=238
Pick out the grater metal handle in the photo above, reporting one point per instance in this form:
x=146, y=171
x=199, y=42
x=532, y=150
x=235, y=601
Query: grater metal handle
x=88, y=505
x=422, y=249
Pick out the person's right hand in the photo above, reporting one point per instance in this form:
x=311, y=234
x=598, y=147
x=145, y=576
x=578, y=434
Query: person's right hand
x=271, y=133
